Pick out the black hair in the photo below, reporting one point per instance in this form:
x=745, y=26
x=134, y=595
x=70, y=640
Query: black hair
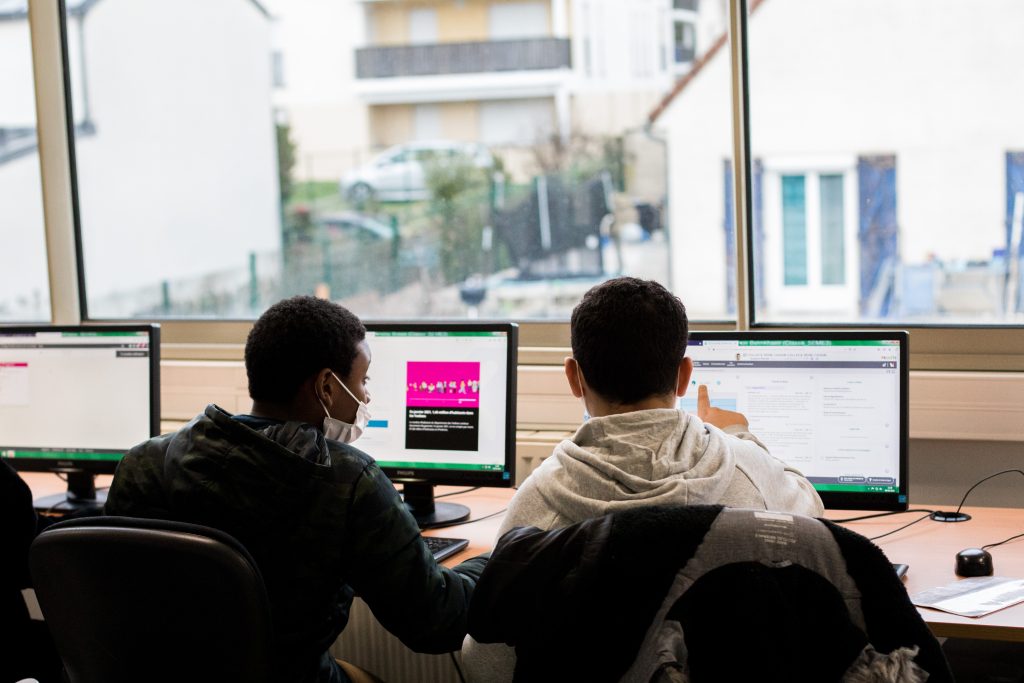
x=629, y=336
x=296, y=338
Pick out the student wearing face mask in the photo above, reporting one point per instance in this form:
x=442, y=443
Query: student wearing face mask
x=318, y=515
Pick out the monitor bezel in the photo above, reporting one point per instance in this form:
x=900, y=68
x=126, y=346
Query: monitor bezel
x=844, y=500
x=95, y=466
x=500, y=479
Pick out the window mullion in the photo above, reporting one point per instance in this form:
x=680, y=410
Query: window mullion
x=742, y=163
x=54, y=160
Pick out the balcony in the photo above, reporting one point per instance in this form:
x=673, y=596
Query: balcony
x=446, y=59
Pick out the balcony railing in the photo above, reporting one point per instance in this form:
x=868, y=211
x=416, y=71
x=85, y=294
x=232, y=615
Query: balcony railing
x=530, y=54
x=691, y=5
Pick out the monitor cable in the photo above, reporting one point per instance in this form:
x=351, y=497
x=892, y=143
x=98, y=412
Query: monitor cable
x=878, y=514
x=458, y=493
x=945, y=516
x=909, y=524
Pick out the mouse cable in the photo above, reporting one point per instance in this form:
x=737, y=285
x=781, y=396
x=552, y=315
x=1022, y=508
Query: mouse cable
x=469, y=521
x=889, y=533
x=940, y=516
x=877, y=514
x=993, y=545
x=458, y=669
x=457, y=493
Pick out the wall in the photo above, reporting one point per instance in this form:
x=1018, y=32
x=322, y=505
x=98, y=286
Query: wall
x=183, y=162
x=935, y=83
x=317, y=40
x=941, y=470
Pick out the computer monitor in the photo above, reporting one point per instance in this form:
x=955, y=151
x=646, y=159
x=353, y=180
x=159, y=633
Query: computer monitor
x=73, y=400
x=831, y=404
x=443, y=409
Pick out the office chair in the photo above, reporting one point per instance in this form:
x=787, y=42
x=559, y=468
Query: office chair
x=698, y=594
x=150, y=600
x=27, y=649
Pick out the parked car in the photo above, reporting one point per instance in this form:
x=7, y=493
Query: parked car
x=399, y=173
x=357, y=225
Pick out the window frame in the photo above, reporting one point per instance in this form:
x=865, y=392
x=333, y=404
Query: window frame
x=933, y=347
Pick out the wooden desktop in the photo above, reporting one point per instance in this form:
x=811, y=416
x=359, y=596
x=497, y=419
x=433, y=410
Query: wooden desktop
x=929, y=548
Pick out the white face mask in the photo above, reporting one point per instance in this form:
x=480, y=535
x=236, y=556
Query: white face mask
x=343, y=431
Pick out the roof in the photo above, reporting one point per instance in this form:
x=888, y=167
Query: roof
x=699, y=65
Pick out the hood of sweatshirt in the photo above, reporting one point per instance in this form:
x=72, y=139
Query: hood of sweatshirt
x=648, y=457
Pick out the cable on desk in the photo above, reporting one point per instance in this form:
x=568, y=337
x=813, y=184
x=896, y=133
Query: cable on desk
x=458, y=493
x=877, y=514
x=993, y=545
x=889, y=533
x=941, y=516
x=458, y=669
x=470, y=521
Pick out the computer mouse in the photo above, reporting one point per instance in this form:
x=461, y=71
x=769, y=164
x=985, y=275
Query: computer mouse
x=974, y=562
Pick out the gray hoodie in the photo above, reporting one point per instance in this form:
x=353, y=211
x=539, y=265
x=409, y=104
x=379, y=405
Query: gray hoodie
x=656, y=457
x=647, y=457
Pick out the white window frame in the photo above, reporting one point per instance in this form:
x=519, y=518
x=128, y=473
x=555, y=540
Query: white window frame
x=812, y=299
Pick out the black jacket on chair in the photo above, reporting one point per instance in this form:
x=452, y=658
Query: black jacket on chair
x=703, y=593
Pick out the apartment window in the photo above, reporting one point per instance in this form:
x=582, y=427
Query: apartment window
x=24, y=286
x=512, y=20
x=684, y=43
x=423, y=26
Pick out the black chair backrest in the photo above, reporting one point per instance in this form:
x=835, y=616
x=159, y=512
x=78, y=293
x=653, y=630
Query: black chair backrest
x=150, y=600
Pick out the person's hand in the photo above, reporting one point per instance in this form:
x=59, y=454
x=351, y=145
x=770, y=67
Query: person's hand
x=717, y=416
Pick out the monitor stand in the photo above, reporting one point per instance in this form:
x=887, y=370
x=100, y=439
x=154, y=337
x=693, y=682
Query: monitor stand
x=419, y=498
x=81, y=494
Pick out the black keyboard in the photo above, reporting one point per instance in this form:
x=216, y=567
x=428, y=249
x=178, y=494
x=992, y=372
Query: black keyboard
x=444, y=547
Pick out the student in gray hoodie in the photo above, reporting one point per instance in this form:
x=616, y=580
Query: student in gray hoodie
x=636, y=448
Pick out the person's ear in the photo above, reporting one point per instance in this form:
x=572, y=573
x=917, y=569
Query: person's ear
x=575, y=377
x=323, y=388
x=683, y=378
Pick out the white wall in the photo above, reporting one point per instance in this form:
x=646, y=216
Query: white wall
x=698, y=127
x=17, y=103
x=23, y=274
x=180, y=178
x=935, y=82
x=330, y=124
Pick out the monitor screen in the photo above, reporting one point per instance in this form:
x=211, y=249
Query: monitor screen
x=832, y=405
x=442, y=404
x=75, y=399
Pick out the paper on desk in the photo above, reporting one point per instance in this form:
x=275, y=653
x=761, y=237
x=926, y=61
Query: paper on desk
x=973, y=597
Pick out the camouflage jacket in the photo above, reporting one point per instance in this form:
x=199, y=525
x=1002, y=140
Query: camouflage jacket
x=319, y=517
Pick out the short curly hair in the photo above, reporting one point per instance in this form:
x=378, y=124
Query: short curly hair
x=629, y=336
x=296, y=338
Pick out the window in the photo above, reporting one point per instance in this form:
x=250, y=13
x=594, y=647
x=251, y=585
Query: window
x=216, y=211
x=684, y=42
x=919, y=221
x=458, y=145
x=24, y=286
x=802, y=252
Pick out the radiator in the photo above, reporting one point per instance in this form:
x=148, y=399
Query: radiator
x=365, y=643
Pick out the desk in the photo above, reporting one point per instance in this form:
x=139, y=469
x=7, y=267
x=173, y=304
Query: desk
x=928, y=547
